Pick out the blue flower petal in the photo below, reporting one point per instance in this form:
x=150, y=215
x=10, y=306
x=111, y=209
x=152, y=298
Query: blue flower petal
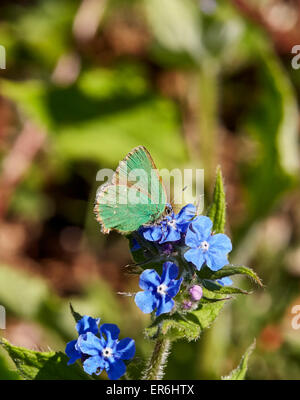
x=225, y=281
x=116, y=369
x=202, y=226
x=90, y=344
x=216, y=261
x=195, y=256
x=174, y=288
x=149, y=279
x=170, y=271
x=184, y=217
x=72, y=353
x=94, y=365
x=111, y=332
x=165, y=305
x=220, y=242
x=191, y=238
x=170, y=235
x=87, y=324
x=153, y=233
x=126, y=348
x=145, y=301
x=147, y=234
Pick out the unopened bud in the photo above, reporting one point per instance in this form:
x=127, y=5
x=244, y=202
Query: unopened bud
x=186, y=305
x=196, y=292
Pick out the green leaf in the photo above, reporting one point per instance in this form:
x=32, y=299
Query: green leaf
x=207, y=313
x=174, y=327
x=6, y=370
x=217, y=210
x=239, y=373
x=188, y=326
x=212, y=290
x=228, y=270
x=35, y=365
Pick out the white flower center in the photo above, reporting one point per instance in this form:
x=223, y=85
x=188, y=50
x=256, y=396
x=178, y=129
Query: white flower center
x=204, y=245
x=172, y=223
x=107, y=352
x=162, y=289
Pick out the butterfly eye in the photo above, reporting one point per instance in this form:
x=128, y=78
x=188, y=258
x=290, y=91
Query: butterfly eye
x=168, y=210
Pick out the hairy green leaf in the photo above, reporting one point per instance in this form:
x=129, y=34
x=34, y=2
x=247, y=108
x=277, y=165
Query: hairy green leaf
x=239, y=373
x=212, y=290
x=231, y=270
x=188, y=326
x=174, y=327
x=217, y=210
x=6, y=370
x=35, y=365
x=228, y=270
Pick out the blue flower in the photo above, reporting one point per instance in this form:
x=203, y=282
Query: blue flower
x=205, y=247
x=225, y=281
x=158, y=291
x=106, y=352
x=83, y=326
x=170, y=228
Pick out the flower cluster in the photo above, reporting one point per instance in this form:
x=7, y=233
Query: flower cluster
x=193, y=234
x=171, y=227
x=100, y=349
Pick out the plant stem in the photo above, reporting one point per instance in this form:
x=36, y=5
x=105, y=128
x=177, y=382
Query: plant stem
x=158, y=360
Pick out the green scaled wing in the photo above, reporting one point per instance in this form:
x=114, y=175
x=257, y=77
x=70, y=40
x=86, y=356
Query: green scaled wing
x=135, y=196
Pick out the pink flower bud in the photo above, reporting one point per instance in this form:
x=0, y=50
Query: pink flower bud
x=196, y=292
x=187, y=304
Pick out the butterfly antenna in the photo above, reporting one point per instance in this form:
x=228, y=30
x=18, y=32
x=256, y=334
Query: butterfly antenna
x=128, y=294
x=183, y=189
x=132, y=269
x=198, y=203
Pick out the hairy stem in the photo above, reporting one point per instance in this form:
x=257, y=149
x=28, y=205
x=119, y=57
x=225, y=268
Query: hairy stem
x=158, y=360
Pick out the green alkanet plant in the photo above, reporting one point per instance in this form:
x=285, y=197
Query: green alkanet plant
x=183, y=267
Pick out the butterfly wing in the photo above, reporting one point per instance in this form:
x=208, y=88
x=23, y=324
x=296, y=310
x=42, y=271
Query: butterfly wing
x=136, y=195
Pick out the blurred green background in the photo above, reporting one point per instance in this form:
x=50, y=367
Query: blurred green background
x=199, y=83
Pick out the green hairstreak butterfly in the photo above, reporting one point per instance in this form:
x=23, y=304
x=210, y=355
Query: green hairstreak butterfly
x=135, y=196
